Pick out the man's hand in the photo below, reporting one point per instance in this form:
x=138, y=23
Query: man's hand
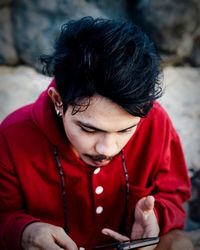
x=40, y=236
x=145, y=224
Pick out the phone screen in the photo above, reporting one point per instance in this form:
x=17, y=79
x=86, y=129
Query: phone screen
x=138, y=243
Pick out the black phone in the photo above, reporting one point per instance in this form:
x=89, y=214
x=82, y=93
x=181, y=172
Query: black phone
x=132, y=244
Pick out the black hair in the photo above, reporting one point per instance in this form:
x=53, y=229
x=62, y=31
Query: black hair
x=112, y=58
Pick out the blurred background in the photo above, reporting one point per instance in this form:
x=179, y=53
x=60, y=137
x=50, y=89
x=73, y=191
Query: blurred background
x=28, y=29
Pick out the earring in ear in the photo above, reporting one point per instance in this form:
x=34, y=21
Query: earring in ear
x=58, y=113
x=59, y=104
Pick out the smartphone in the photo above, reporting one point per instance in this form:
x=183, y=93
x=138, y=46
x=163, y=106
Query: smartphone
x=131, y=244
x=138, y=243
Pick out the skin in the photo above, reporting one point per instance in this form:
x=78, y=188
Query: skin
x=107, y=128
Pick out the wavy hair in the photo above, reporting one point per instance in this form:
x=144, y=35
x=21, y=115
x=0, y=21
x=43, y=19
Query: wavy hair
x=112, y=58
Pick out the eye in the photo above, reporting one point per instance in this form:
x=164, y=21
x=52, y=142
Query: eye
x=88, y=130
x=129, y=130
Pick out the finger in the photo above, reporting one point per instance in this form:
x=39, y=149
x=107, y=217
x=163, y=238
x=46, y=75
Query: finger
x=63, y=240
x=114, y=235
x=145, y=224
x=149, y=203
x=146, y=204
x=50, y=246
x=45, y=243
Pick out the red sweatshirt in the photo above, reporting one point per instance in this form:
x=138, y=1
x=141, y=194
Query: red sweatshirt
x=30, y=184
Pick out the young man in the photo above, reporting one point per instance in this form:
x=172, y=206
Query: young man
x=95, y=159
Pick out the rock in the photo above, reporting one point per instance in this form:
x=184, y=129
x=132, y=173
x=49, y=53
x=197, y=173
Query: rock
x=8, y=52
x=182, y=102
x=113, y=9
x=195, y=55
x=28, y=28
x=172, y=25
x=38, y=23
x=19, y=86
x=195, y=237
x=5, y=2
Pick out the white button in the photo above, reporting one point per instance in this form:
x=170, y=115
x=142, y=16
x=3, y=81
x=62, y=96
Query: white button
x=99, y=210
x=81, y=248
x=96, y=171
x=99, y=190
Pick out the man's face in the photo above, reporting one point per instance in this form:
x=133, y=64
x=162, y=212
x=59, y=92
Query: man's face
x=98, y=133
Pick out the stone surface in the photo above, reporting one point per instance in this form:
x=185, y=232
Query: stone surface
x=32, y=26
x=114, y=9
x=19, y=86
x=5, y=2
x=195, y=237
x=8, y=52
x=38, y=24
x=173, y=25
x=183, y=105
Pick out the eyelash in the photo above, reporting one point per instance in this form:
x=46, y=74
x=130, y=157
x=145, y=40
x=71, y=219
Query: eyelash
x=126, y=131
x=88, y=131
x=93, y=131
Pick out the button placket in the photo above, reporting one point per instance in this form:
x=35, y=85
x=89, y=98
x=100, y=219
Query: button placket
x=98, y=190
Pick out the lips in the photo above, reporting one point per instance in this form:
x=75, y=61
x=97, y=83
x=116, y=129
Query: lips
x=99, y=160
x=100, y=163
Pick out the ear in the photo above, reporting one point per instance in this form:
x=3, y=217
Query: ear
x=56, y=99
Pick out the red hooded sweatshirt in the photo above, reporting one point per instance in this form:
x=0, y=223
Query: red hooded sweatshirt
x=32, y=188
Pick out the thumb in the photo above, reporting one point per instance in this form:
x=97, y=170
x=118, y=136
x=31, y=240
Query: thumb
x=145, y=224
x=144, y=208
x=146, y=204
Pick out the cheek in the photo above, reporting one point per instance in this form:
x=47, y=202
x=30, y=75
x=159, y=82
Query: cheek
x=123, y=142
x=79, y=140
x=124, y=139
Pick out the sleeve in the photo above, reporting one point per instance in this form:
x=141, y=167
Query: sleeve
x=13, y=218
x=172, y=184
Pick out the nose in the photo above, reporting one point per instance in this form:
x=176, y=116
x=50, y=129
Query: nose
x=107, y=145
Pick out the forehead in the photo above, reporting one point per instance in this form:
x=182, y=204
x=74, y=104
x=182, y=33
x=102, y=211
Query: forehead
x=105, y=114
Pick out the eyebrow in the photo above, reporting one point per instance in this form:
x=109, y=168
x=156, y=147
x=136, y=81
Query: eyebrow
x=87, y=125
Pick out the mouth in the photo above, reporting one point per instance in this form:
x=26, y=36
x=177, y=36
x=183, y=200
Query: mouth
x=99, y=160
x=101, y=163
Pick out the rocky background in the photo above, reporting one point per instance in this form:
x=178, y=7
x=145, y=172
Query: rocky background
x=28, y=29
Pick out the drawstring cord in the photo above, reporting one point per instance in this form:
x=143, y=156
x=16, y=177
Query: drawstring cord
x=63, y=188
x=127, y=193
x=126, y=177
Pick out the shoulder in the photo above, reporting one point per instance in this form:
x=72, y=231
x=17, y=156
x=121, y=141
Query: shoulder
x=156, y=126
x=17, y=125
x=158, y=120
x=158, y=114
x=154, y=136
